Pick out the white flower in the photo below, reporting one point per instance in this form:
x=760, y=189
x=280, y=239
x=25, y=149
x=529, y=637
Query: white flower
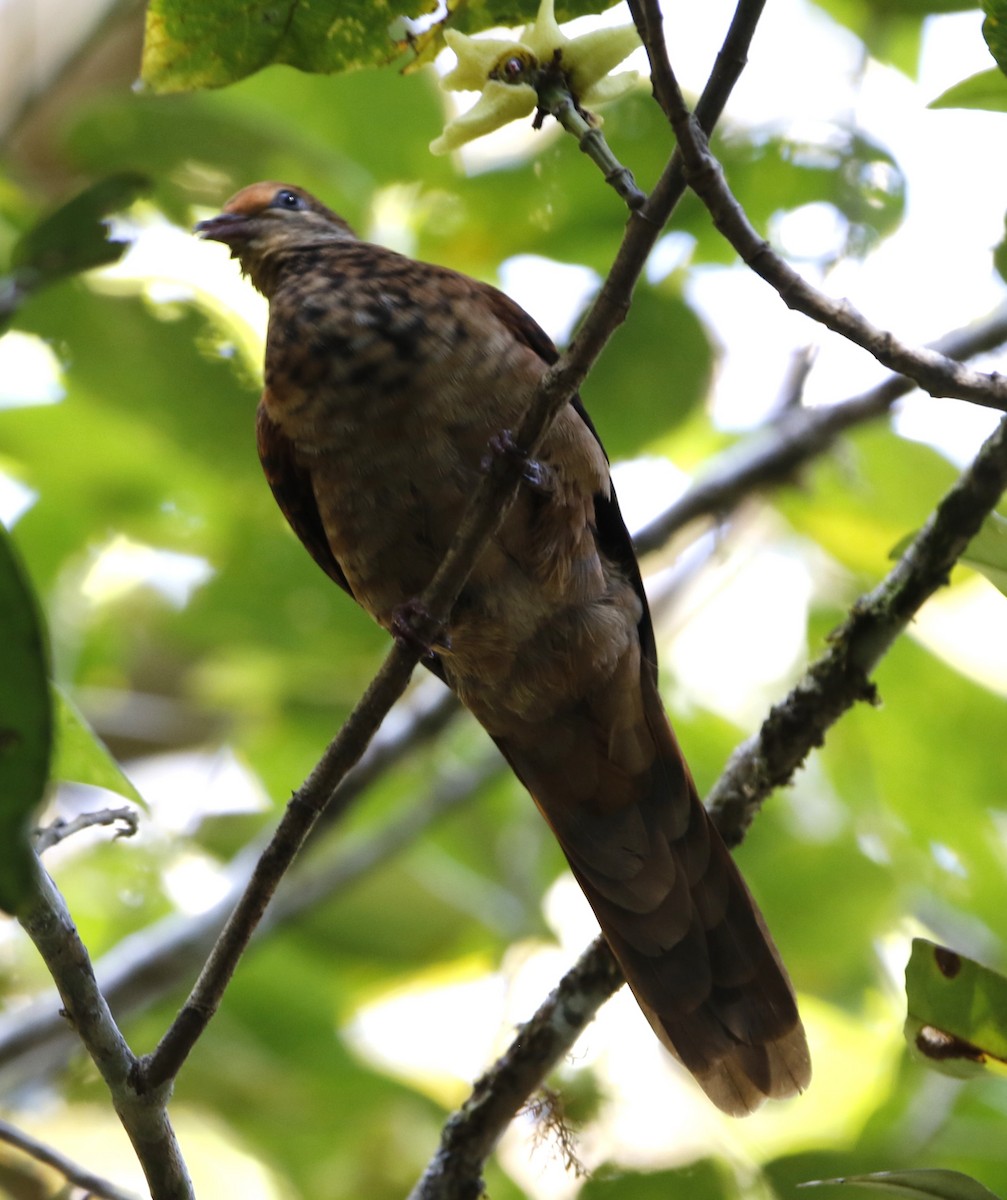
x=500, y=68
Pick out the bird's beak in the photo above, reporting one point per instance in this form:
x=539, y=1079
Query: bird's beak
x=228, y=228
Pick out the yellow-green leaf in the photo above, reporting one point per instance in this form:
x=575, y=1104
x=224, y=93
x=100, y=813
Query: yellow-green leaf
x=80, y=754
x=987, y=552
x=956, y=1018
x=925, y=1182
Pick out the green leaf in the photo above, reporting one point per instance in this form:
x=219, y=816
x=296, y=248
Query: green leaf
x=940, y=1185
x=987, y=90
x=1000, y=257
x=189, y=44
x=995, y=30
x=707, y=1179
x=956, y=1018
x=75, y=237
x=25, y=724
x=80, y=754
x=632, y=404
x=987, y=552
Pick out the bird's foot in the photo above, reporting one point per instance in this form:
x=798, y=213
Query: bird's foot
x=535, y=473
x=413, y=626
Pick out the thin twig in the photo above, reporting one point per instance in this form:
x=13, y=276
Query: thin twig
x=772, y=456
x=80, y=1176
x=556, y=99
x=59, y=830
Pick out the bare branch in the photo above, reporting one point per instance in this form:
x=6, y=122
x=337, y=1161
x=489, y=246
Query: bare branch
x=929, y=370
x=468, y=1138
x=841, y=676
x=770, y=457
x=60, y=830
x=94, y=1184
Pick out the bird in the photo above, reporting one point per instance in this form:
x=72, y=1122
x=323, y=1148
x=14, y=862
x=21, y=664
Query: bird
x=385, y=380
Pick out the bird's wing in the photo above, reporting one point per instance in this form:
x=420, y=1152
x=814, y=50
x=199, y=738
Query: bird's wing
x=291, y=486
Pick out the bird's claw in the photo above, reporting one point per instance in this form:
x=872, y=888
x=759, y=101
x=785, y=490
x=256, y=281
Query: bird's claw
x=413, y=626
x=535, y=473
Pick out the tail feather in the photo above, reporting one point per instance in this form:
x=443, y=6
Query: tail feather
x=673, y=906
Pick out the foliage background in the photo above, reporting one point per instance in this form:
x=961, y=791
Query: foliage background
x=216, y=660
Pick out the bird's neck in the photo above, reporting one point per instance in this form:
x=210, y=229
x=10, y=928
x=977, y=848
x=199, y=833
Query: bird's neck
x=267, y=266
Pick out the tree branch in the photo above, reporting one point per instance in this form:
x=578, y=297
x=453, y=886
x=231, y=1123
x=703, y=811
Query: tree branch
x=841, y=676
x=80, y=1176
x=144, y=1116
x=929, y=370
x=468, y=1138
x=770, y=457
x=125, y=817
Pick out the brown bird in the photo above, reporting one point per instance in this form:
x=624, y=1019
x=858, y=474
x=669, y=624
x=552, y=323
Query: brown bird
x=385, y=380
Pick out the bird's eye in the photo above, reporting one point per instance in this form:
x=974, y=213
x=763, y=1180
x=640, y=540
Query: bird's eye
x=289, y=200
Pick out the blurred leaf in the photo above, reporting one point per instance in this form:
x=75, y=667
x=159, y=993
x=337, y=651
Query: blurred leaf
x=1000, y=249
x=986, y=90
x=25, y=724
x=995, y=30
x=920, y=782
x=935, y=1184
x=81, y=756
x=956, y=1019
x=867, y=496
x=73, y=238
x=891, y=29
x=278, y=124
x=847, y=169
x=634, y=397
x=703, y=1180
x=987, y=552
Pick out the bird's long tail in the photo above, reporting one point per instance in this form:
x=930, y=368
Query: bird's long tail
x=611, y=781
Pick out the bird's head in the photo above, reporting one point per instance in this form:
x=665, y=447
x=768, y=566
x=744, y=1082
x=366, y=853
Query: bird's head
x=266, y=218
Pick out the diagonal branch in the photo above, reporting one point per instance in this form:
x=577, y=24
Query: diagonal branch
x=841, y=676
x=929, y=370
x=72, y=1172
x=771, y=457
